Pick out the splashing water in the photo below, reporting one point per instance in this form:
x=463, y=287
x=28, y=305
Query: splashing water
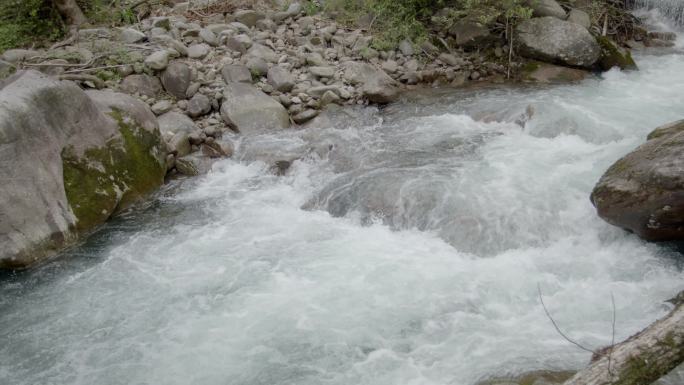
x=403, y=247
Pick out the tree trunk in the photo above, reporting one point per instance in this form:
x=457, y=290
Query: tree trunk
x=71, y=12
x=641, y=359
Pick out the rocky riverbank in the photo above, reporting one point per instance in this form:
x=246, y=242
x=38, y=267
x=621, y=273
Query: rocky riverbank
x=210, y=76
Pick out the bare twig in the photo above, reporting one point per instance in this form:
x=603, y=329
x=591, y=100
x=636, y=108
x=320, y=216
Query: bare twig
x=80, y=70
x=612, y=341
x=555, y=325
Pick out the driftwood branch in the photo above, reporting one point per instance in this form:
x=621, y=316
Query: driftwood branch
x=555, y=325
x=641, y=359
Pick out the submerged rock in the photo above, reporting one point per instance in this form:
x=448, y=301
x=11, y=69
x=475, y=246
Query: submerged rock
x=70, y=160
x=644, y=191
x=557, y=41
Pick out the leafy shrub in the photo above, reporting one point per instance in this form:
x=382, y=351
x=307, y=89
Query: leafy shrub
x=24, y=21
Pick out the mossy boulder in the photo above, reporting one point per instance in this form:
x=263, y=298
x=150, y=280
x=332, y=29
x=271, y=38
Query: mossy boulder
x=644, y=191
x=70, y=160
x=613, y=55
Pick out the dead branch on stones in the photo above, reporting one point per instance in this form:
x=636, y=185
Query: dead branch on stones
x=642, y=358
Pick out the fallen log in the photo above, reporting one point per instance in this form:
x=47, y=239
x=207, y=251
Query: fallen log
x=641, y=359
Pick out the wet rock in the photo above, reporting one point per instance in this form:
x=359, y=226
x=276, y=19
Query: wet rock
x=557, y=41
x=236, y=74
x=281, y=79
x=249, y=110
x=614, y=56
x=548, y=73
x=305, y=116
x=141, y=84
x=193, y=165
x=199, y=105
x=643, y=192
x=176, y=79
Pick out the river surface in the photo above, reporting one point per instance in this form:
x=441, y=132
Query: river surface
x=405, y=246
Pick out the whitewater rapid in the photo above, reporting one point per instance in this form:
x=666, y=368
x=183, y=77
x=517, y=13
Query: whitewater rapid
x=405, y=246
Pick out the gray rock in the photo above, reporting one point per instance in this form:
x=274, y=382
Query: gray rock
x=248, y=17
x=406, y=47
x=580, y=17
x=305, y=116
x=543, y=8
x=250, y=110
x=315, y=59
x=16, y=55
x=179, y=144
x=192, y=89
x=193, y=165
x=390, y=66
x=322, y=72
x=176, y=79
x=257, y=66
x=56, y=186
x=262, y=52
x=131, y=36
x=208, y=37
x=281, y=79
x=471, y=34
x=172, y=123
x=158, y=60
x=198, y=105
x=376, y=85
x=236, y=74
x=162, y=107
x=198, y=51
x=642, y=191
x=318, y=91
x=557, y=41
x=451, y=59
x=329, y=97
x=141, y=84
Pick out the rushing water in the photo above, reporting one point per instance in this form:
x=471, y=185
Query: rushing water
x=404, y=247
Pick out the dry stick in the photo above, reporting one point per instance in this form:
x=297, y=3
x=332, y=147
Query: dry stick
x=94, y=69
x=556, y=325
x=612, y=341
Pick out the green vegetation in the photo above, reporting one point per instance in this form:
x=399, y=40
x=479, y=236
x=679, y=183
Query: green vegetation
x=392, y=21
x=35, y=22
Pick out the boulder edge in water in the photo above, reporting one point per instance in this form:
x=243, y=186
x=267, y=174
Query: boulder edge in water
x=644, y=191
x=70, y=160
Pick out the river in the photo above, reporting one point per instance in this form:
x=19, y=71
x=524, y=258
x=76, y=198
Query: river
x=405, y=246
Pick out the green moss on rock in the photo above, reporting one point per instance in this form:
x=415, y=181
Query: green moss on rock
x=107, y=179
x=614, y=56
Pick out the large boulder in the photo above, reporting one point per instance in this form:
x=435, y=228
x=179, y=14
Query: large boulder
x=644, y=191
x=376, y=85
x=557, y=41
x=70, y=160
x=249, y=110
x=176, y=79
